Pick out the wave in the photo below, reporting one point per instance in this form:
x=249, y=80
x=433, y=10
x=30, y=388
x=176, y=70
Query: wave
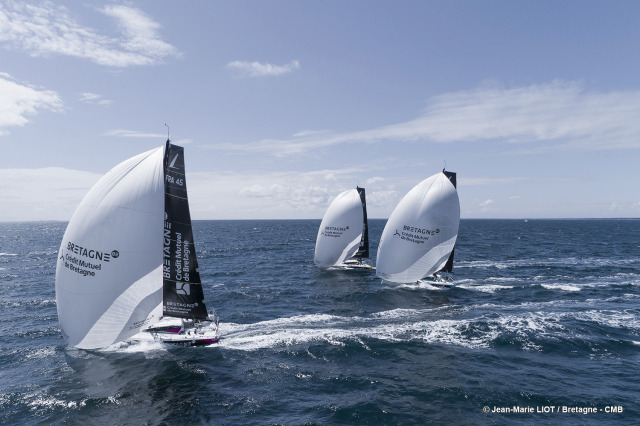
x=567, y=283
x=419, y=286
x=486, y=288
x=548, y=262
x=49, y=402
x=35, y=303
x=470, y=327
x=563, y=287
x=271, y=334
x=140, y=343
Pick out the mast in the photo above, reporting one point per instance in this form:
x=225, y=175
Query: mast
x=183, y=296
x=363, y=249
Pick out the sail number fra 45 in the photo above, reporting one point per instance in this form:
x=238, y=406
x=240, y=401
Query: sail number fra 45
x=176, y=181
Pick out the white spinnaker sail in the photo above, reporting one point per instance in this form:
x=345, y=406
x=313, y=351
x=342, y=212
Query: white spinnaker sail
x=340, y=231
x=109, y=271
x=420, y=233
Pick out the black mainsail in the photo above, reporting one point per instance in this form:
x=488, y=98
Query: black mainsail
x=448, y=267
x=183, y=296
x=363, y=249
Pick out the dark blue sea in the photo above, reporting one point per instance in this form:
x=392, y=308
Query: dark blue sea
x=543, y=327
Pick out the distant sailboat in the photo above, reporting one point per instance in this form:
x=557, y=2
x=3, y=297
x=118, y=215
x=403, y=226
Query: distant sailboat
x=343, y=236
x=127, y=259
x=419, y=238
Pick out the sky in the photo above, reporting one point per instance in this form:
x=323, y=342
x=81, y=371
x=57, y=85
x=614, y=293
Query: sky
x=281, y=105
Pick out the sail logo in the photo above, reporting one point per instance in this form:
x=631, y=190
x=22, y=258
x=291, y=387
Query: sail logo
x=415, y=235
x=173, y=162
x=183, y=289
x=420, y=230
x=334, y=231
x=90, y=253
x=336, y=228
x=85, y=261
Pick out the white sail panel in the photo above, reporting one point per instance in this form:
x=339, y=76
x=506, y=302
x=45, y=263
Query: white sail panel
x=135, y=303
x=110, y=256
x=340, y=231
x=421, y=232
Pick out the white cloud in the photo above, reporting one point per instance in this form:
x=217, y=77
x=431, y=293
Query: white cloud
x=624, y=209
x=307, y=133
x=141, y=31
x=552, y=116
x=54, y=193
x=44, y=29
x=255, y=191
x=386, y=200
x=89, y=97
x=122, y=133
x=375, y=179
x=94, y=98
x=50, y=193
x=488, y=181
x=330, y=176
x=19, y=101
x=264, y=195
x=485, y=203
x=257, y=69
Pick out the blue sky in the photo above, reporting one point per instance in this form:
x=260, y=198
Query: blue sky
x=281, y=105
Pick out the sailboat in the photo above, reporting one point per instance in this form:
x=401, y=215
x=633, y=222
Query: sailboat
x=343, y=236
x=418, y=241
x=127, y=260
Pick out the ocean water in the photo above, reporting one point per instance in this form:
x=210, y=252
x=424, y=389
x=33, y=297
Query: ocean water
x=542, y=327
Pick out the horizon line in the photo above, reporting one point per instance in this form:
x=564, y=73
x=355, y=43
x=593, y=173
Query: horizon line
x=373, y=218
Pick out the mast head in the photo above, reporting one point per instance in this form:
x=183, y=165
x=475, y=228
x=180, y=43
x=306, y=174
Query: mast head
x=168, y=133
x=166, y=147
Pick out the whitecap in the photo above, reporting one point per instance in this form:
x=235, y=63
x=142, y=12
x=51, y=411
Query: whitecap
x=563, y=287
x=420, y=286
x=41, y=353
x=486, y=288
x=394, y=326
x=51, y=402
